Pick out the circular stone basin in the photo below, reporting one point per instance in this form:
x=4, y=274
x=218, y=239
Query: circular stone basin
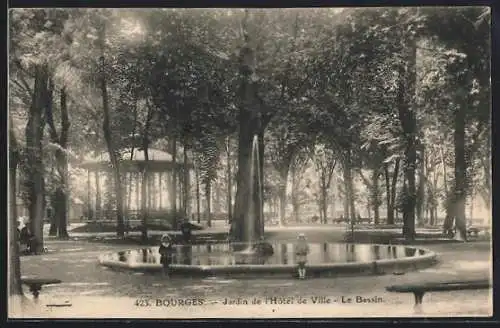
x=324, y=259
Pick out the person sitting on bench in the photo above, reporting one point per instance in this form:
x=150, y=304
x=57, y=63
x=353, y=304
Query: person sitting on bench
x=26, y=237
x=18, y=231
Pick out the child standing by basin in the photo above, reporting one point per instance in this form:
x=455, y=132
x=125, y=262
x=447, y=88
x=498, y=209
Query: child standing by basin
x=301, y=251
x=165, y=251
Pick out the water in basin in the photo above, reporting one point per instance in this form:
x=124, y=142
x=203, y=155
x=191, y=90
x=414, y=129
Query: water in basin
x=284, y=254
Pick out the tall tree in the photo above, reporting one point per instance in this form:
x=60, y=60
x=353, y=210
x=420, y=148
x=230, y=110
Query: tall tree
x=34, y=134
x=145, y=173
x=108, y=135
x=60, y=197
x=297, y=168
x=407, y=117
x=248, y=207
x=15, y=287
x=324, y=159
x=468, y=74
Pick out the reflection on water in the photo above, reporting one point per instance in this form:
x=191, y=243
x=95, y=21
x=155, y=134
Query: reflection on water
x=221, y=254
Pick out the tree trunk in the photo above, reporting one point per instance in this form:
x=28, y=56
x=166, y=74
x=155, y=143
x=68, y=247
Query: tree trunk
x=391, y=190
x=229, y=182
x=389, y=220
x=429, y=201
x=117, y=184
x=50, y=210
x=217, y=198
x=65, y=125
x=486, y=195
x=349, y=191
x=132, y=150
x=283, y=174
x=185, y=170
x=445, y=174
x=410, y=195
x=276, y=206
x=208, y=197
x=34, y=135
x=433, y=199
x=146, y=180
x=59, y=205
x=320, y=207
x=198, y=196
x=128, y=199
x=460, y=172
x=375, y=197
x=296, y=209
x=149, y=194
x=174, y=181
x=333, y=200
x=349, y=186
x=295, y=194
x=432, y=219
x=471, y=210
x=394, y=182
x=144, y=197
x=60, y=198
x=260, y=197
x=53, y=219
x=345, y=202
x=113, y=155
x=487, y=172
x=98, y=198
x=406, y=92
x=15, y=287
x=421, y=189
x=324, y=198
x=248, y=205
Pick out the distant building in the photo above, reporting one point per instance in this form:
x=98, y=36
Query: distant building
x=75, y=210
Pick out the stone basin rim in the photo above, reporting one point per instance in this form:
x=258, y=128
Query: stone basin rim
x=413, y=263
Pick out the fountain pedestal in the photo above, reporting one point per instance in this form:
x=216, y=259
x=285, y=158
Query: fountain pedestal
x=248, y=219
x=258, y=248
x=264, y=248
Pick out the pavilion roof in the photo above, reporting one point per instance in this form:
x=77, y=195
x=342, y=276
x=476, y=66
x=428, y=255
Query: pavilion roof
x=155, y=157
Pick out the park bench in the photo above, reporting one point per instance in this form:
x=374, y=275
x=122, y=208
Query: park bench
x=419, y=290
x=342, y=220
x=357, y=220
x=364, y=220
x=35, y=284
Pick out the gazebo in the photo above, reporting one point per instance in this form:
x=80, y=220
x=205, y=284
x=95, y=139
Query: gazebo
x=159, y=191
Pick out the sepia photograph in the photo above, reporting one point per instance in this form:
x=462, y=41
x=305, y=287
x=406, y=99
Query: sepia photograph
x=249, y=163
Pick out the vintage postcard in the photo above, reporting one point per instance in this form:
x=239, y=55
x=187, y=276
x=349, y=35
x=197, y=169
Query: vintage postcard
x=249, y=163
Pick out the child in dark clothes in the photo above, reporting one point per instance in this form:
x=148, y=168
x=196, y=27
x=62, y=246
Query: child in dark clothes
x=186, y=231
x=165, y=250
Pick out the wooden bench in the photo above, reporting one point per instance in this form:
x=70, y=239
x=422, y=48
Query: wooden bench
x=35, y=284
x=420, y=289
x=364, y=220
